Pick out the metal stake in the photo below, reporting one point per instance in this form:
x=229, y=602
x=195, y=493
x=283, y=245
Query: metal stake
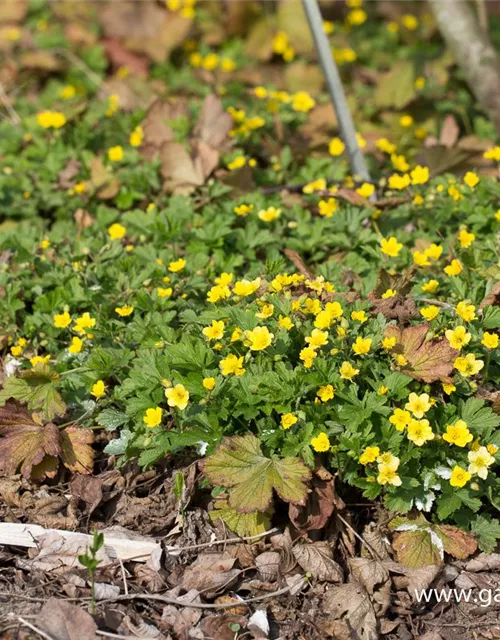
x=335, y=89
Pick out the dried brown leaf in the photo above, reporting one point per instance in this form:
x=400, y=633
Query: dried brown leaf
x=320, y=505
x=350, y=613
x=210, y=573
x=428, y=360
x=64, y=621
x=316, y=558
x=76, y=453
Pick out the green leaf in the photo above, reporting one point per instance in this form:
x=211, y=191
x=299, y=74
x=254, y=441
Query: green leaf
x=478, y=417
x=37, y=388
x=111, y=419
x=487, y=531
x=447, y=504
x=396, y=88
x=491, y=317
x=242, y=524
x=417, y=546
x=239, y=463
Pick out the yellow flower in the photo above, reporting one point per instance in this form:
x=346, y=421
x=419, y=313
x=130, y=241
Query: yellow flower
x=259, y=338
x=39, y=360
x=492, y=154
x=388, y=475
x=492, y=448
x=317, y=338
x=399, y=162
x=479, y=461
x=418, y=405
x=288, y=420
x=328, y=27
x=116, y=231
x=215, y=331
x=430, y=286
x=153, y=417
x=419, y=83
x=468, y=365
x=327, y=208
x=237, y=163
x=115, y=154
x=98, y=389
x=266, y=311
x=384, y=145
x=421, y=259
x=362, y=345
x=177, y=396
x=136, y=137
x=356, y=17
x=218, y=292
x=303, y=102
x=434, y=251
x=51, y=119
x=209, y=383
x=67, y=92
x=76, y=345
x=419, y=175
x=401, y=360
x=347, y=371
x=448, y=388
x=490, y=340
x=269, y=214
x=454, y=268
x=465, y=238
x=316, y=185
x=398, y=182
x=232, y=365
x=16, y=350
x=325, y=393
x=244, y=288
x=227, y=65
x=458, y=434
x=336, y=147
x=307, y=355
x=243, y=209
x=406, y=121
x=390, y=247
x=471, y=179
x=177, y=265
x=455, y=193
x=284, y=322
x=459, y=477
x=420, y=432
x=365, y=190
x=320, y=443
x=389, y=293
x=124, y=311
x=210, y=61
x=164, y=293
x=388, y=343
x=457, y=337
x=360, y=316
x=370, y=454
x=430, y=312
x=466, y=311
x=400, y=419
x=418, y=200
x=62, y=320
x=410, y=22
x=83, y=323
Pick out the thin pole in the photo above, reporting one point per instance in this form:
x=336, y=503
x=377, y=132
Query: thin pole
x=335, y=89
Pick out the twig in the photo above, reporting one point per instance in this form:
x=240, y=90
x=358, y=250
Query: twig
x=124, y=577
x=228, y=541
x=299, y=263
x=482, y=14
x=35, y=629
x=99, y=82
x=107, y=634
x=437, y=303
x=200, y=605
x=8, y=107
x=360, y=538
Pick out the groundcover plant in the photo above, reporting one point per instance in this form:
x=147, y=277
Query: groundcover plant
x=188, y=265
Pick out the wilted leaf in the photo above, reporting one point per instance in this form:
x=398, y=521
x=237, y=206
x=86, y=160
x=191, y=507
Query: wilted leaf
x=119, y=56
x=66, y=176
x=24, y=443
x=316, y=558
x=321, y=503
x=417, y=547
x=427, y=360
x=145, y=27
x=242, y=524
x=76, y=453
x=457, y=543
x=300, y=76
x=105, y=183
x=65, y=621
x=37, y=388
x=350, y=613
x=210, y=573
x=41, y=61
x=396, y=88
x=214, y=123
x=240, y=464
x=259, y=42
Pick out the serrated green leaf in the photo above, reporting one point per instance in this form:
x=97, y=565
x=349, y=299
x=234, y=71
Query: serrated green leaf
x=242, y=524
x=111, y=419
x=239, y=464
x=478, y=417
x=37, y=388
x=447, y=504
x=417, y=547
x=487, y=531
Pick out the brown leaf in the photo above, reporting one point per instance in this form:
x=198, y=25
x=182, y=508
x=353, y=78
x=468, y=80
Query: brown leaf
x=83, y=219
x=105, y=183
x=25, y=443
x=76, y=453
x=211, y=572
x=484, y=562
x=13, y=11
x=41, y=61
x=316, y=558
x=213, y=123
x=450, y=130
x=350, y=613
x=268, y=564
x=145, y=27
x=493, y=297
x=428, y=360
x=64, y=621
x=88, y=490
x=119, y=56
x=396, y=308
x=456, y=542
x=219, y=626
x=156, y=126
x=66, y=176
x=300, y=76
x=321, y=503
x=259, y=42
x=291, y=19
